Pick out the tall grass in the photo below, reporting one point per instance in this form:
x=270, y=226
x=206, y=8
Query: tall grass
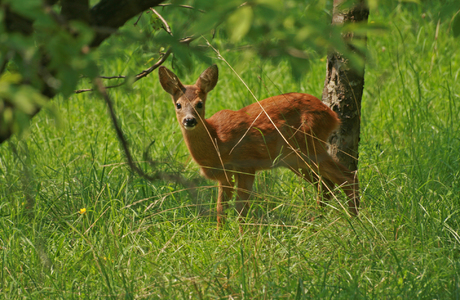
x=141, y=239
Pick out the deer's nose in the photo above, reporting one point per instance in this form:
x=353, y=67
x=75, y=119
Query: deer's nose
x=189, y=123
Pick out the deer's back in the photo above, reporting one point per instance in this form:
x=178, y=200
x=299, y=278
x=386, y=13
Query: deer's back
x=296, y=116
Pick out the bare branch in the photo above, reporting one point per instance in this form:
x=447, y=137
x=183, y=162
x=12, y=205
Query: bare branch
x=138, y=19
x=112, y=77
x=149, y=70
x=124, y=143
x=138, y=76
x=182, y=5
x=156, y=65
x=165, y=24
x=107, y=87
x=102, y=90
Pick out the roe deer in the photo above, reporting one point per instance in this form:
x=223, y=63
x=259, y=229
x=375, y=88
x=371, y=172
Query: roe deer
x=288, y=130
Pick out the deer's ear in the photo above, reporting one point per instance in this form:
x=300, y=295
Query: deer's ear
x=208, y=79
x=169, y=81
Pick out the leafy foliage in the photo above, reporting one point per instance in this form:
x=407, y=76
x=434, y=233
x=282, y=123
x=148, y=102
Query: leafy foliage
x=50, y=51
x=456, y=24
x=53, y=56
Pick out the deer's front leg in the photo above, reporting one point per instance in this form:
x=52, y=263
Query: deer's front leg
x=225, y=194
x=245, y=182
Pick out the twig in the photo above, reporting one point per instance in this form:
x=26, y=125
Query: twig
x=166, y=26
x=124, y=143
x=156, y=65
x=107, y=87
x=182, y=5
x=142, y=74
x=138, y=19
x=136, y=78
x=146, y=72
x=112, y=77
x=102, y=90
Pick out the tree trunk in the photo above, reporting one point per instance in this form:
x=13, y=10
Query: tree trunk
x=343, y=88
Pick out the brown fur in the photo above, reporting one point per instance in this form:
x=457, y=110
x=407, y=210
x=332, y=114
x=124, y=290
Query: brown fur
x=291, y=133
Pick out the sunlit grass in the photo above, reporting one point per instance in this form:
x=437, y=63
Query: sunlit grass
x=77, y=223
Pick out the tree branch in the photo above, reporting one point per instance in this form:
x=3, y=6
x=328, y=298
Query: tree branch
x=142, y=74
x=105, y=18
x=124, y=144
x=109, y=15
x=138, y=76
x=102, y=90
x=75, y=10
x=165, y=24
x=182, y=5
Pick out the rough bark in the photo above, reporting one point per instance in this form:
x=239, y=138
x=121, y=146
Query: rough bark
x=343, y=88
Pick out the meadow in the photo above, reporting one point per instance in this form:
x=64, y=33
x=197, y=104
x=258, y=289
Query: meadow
x=77, y=223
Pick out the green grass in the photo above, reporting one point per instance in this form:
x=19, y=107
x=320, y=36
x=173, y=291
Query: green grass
x=141, y=239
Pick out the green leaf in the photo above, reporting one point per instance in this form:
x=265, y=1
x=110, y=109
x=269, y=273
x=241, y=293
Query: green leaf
x=413, y=1
x=275, y=4
x=373, y=4
x=456, y=25
x=299, y=66
x=68, y=80
x=239, y=23
x=31, y=9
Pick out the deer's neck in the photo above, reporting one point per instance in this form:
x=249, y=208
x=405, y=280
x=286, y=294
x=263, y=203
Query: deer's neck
x=201, y=142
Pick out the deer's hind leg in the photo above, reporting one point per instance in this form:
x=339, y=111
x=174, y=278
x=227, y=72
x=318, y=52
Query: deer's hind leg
x=322, y=185
x=344, y=178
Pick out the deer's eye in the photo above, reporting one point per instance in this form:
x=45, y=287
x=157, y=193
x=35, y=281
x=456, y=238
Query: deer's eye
x=200, y=104
x=178, y=106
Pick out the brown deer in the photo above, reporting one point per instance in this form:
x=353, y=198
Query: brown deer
x=288, y=130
